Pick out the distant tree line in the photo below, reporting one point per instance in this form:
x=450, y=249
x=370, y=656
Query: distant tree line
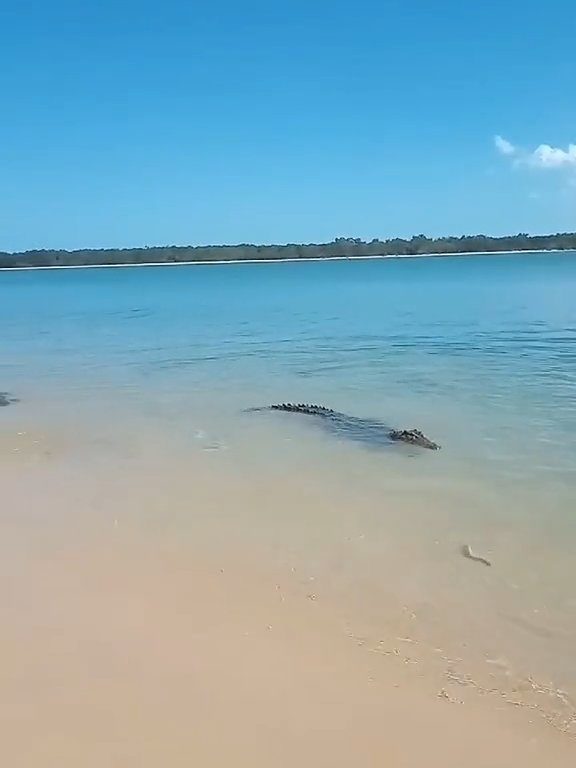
x=341, y=247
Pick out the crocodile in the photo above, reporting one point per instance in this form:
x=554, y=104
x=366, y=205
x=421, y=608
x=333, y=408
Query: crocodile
x=369, y=431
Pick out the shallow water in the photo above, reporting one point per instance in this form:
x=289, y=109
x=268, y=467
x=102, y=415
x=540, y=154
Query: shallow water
x=124, y=369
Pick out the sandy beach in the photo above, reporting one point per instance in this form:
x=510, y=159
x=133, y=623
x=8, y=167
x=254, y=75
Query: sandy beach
x=136, y=636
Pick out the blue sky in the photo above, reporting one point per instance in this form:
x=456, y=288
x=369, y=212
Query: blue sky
x=146, y=123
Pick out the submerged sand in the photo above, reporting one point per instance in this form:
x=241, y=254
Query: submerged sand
x=150, y=617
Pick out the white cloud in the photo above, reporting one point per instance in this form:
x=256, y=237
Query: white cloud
x=503, y=146
x=544, y=157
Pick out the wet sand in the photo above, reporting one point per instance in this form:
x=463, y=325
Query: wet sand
x=142, y=628
x=121, y=655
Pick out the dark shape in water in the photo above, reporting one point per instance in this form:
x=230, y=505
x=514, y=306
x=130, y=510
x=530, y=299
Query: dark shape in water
x=369, y=431
x=7, y=399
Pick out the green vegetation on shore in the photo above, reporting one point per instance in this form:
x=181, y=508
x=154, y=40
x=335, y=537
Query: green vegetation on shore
x=341, y=247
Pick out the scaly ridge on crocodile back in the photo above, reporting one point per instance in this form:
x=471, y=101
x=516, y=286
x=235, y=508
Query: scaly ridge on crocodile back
x=310, y=410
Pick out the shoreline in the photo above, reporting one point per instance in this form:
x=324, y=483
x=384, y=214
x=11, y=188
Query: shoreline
x=286, y=260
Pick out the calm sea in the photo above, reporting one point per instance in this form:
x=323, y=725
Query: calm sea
x=478, y=352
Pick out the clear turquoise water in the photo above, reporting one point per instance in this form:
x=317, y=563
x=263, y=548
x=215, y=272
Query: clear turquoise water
x=489, y=342
x=479, y=352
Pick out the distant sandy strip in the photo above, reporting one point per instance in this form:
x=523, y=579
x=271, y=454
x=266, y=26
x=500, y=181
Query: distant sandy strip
x=281, y=261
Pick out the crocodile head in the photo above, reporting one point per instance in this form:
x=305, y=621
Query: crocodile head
x=414, y=437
